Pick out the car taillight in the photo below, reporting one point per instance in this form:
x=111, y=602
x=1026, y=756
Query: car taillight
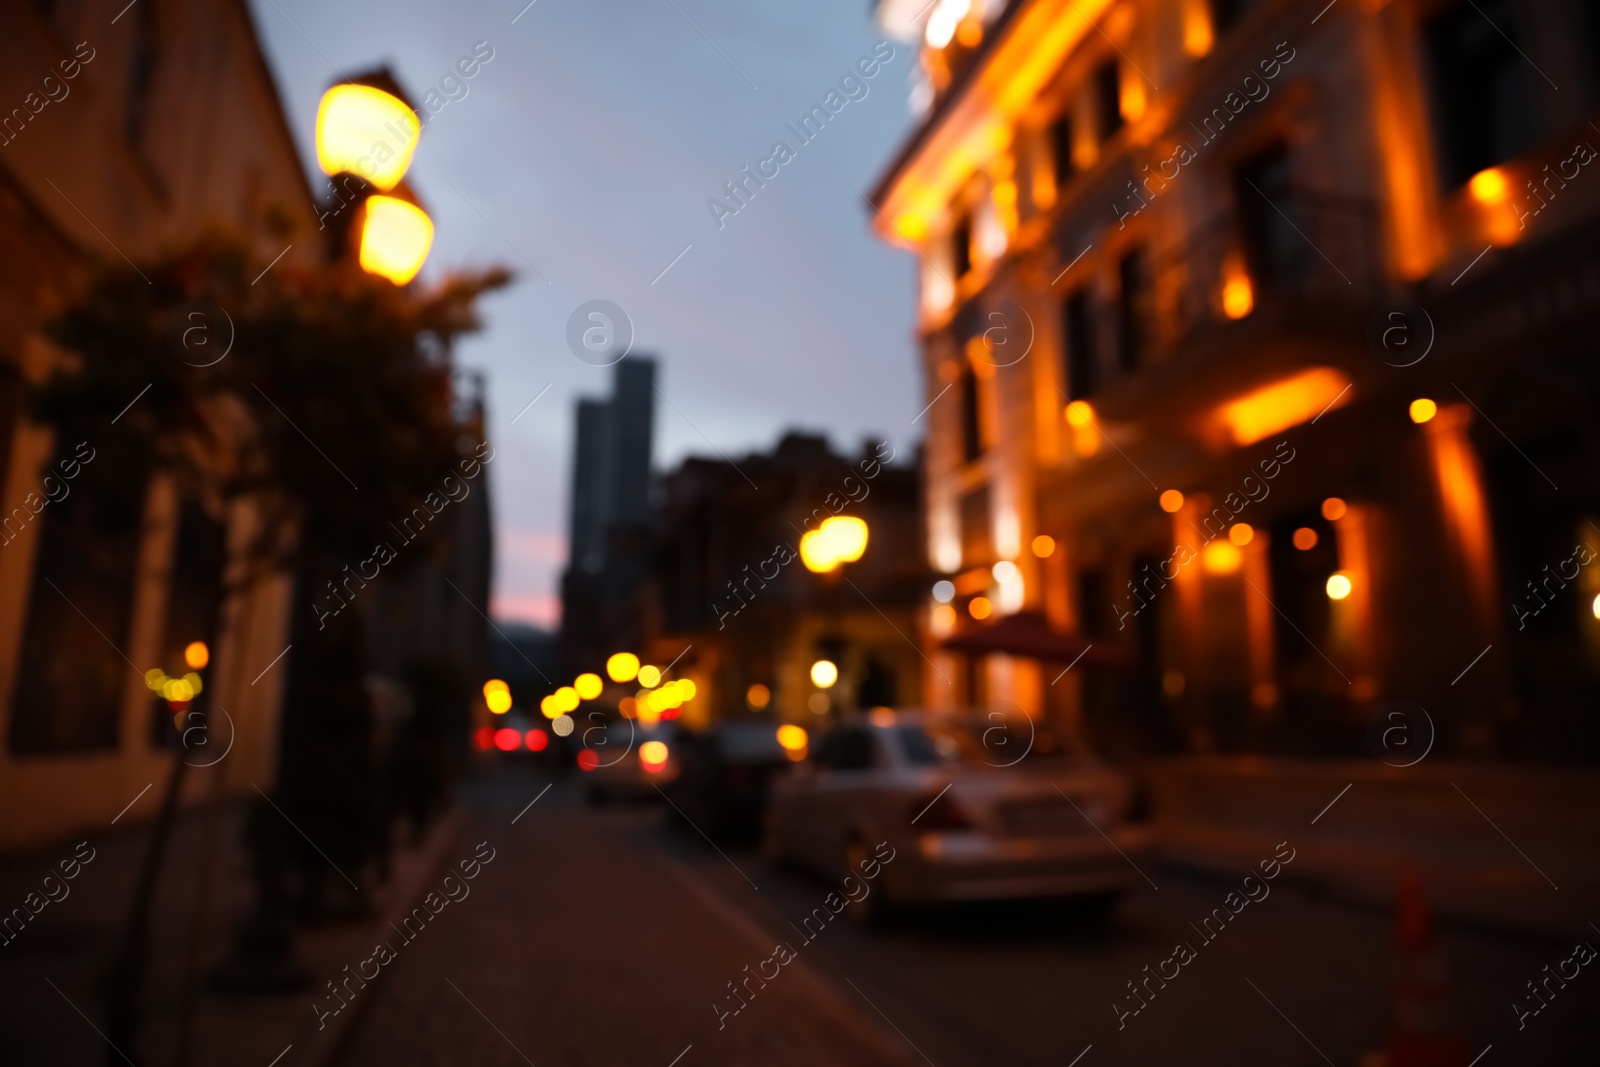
x=939, y=811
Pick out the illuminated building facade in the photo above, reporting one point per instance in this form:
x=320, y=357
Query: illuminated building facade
x=1256, y=339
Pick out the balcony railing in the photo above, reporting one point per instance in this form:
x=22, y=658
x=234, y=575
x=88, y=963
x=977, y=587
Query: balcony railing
x=1304, y=246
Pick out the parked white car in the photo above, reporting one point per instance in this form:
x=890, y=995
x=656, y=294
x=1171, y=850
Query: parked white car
x=976, y=807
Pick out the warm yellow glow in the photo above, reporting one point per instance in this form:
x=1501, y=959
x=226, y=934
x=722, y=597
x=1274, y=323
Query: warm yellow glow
x=911, y=227
x=1133, y=99
x=1423, y=409
x=1461, y=491
x=1044, y=546
x=565, y=699
x=687, y=689
x=1080, y=414
x=494, y=685
x=365, y=132
x=757, y=696
x=1338, y=585
x=792, y=737
x=155, y=678
x=1241, y=533
x=499, y=701
x=1595, y=607
x=824, y=673
x=840, y=539
x=177, y=690
x=1221, y=557
x=1285, y=403
x=979, y=607
x=196, y=655
x=944, y=620
x=588, y=686
x=1489, y=186
x=1197, y=32
x=548, y=708
x=622, y=667
x=1305, y=539
x=654, y=752
x=1171, y=501
x=649, y=676
x=1333, y=509
x=1238, y=295
x=395, y=239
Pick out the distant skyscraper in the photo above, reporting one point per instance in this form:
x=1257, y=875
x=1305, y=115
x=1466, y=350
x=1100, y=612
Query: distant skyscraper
x=611, y=519
x=611, y=462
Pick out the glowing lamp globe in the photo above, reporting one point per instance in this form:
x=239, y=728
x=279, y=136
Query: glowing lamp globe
x=356, y=134
x=395, y=239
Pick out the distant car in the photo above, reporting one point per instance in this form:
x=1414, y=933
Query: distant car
x=625, y=759
x=974, y=808
x=725, y=774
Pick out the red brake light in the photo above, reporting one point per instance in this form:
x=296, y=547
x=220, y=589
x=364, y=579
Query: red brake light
x=939, y=811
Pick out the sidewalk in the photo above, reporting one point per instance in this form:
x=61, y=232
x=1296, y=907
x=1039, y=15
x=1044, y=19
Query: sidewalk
x=1506, y=848
x=70, y=942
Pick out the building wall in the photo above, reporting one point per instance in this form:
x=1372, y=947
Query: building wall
x=168, y=125
x=1288, y=184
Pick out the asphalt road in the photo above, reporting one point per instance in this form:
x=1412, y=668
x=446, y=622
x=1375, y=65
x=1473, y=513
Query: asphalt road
x=607, y=936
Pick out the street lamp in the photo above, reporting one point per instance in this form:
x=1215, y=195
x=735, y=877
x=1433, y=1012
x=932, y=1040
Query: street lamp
x=840, y=539
x=366, y=129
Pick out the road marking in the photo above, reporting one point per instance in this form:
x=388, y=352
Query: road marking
x=531, y=803
x=1474, y=663
x=931, y=803
x=1331, y=803
x=131, y=803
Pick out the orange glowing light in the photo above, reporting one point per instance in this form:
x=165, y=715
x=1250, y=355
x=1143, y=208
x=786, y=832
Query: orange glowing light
x=1044, y=546
x=1221, y=557
x=1489, y=186
x=1238, y=295
x=1284, y=403
x=1423, y=409
x=792, y=737
x=980, y=608
x=1171, y=501
x=757, y=696
x=1333, y=509
x=1080, y=414
x=1241, y=533
x=840, y=539
x=653, y=754
x=629, y=706
x=944, y=619
x=367, y=132
x=196, y=655
x=1197, y=32
x=1133, y=99
x=1338, y=585
x=1305, y=539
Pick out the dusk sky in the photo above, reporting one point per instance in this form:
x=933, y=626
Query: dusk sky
x=588, y=147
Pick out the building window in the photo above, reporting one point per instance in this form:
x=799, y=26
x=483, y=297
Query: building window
x=1225, y=14
x=1135, y=305
x=1061, y=149
x=971, y=427
x=1094, y=603
x=1482, y=92
x=1274, y=250
x=1108, y=98
x=194, y=606
x=976, y=547
x=1077, y=332
x=961, y=245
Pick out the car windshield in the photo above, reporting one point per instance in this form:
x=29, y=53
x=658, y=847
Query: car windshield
x=995, y=742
